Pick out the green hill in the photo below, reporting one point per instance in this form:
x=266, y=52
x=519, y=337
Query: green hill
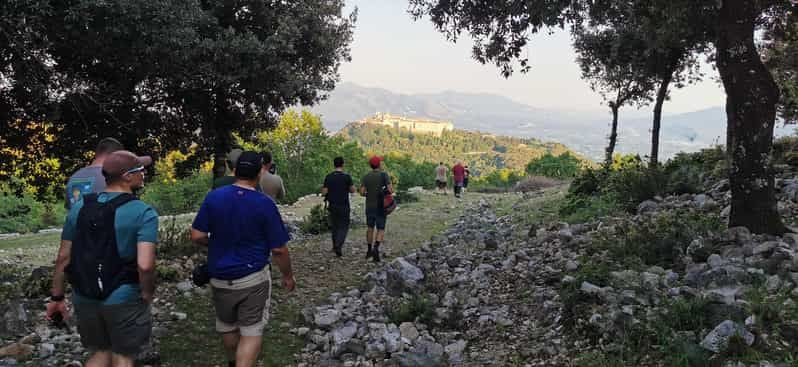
x=483, y=153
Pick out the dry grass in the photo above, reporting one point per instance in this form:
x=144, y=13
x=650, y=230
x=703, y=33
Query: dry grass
x=535, y=183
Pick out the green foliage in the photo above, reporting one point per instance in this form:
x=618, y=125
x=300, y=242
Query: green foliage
x=503, y=179
x=417, y=308
x=580, y=209
x=785, y=150
x=166, y=273
x=688, y=172
x=587, y=182
x=660, y=240
x=304, y=153
x=177, y=196
x=562, y=166
x=21, y=212
x=483, y=153
x=317, y=221
x=633, y=185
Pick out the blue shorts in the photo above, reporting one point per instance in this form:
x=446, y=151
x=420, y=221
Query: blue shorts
x=375, y=218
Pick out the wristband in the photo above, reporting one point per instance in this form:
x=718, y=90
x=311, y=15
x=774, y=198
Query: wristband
x=57, y=298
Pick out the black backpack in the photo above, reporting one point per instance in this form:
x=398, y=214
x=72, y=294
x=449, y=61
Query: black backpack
x=95, y=268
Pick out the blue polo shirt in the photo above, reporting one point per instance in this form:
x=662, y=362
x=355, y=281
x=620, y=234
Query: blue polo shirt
x=244, y=227
x=134, y=222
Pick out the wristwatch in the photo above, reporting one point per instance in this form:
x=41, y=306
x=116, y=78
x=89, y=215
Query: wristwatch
x=57, y=298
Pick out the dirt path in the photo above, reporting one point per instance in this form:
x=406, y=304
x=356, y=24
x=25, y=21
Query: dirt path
x=319, y=273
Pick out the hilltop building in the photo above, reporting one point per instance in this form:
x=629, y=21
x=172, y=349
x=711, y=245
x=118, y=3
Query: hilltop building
x=414, y=125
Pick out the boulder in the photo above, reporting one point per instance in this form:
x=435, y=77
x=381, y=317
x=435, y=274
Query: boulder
x=647, y=206
x=454, y=352
x=14, y=319
x=402, y=276
x=17, y=351
x=326, y=317
x=717, y=340
x=408, y=331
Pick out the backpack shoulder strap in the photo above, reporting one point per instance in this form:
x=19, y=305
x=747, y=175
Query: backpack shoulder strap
x=90, y=198
x=122, y=199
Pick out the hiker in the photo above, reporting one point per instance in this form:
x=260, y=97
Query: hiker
x=230, y=163
x=373, y=186
x=242, y=228
x=440, y=178
x=108, y=251
x=90, y=179
x=458, y=176
x=337, y=187
x=270, y=182
x=465, y=178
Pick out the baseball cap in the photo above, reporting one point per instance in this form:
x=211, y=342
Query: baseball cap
x=121, y=161
x=249, y=164
x=375, y=161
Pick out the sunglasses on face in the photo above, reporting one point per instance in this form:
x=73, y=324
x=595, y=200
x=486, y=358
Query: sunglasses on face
x=135, y=170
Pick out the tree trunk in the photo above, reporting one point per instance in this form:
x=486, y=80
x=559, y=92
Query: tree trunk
x=751, y=97
x=222, y=138
x=613, y=134
x=661, y=94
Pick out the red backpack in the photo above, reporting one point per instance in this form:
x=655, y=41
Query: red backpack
x=388, y=203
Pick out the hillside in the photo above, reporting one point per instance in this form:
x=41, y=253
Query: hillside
x=482, y=152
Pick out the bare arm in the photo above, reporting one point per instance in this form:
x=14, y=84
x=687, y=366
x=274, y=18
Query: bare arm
x=146, y=264
x=61, y=262
x=199, y=237
x=324, y=191
x=283, y=260
x=390, y=188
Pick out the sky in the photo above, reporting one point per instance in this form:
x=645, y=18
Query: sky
x=392, y=51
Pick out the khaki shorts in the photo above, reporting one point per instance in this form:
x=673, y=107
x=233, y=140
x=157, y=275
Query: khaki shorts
x=243, y=304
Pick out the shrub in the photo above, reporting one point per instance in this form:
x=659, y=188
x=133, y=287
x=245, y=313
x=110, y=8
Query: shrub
x=409, y=309
x=20, y=213
x=177, y=196
x=688, y=172
x=634, y=184
x=581, y=209
x=785, y=150
x=535, y=183
x=317, y=222
x=561, y=166
x=498, y=180
x=661, y=240
x=173, y=239
x=588, y=182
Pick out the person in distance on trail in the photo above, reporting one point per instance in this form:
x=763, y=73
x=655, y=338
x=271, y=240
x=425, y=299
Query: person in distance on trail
x=465, y=178
x=337, y=187
x=108, y=251
x=458, y=176
x=242, y=228
x=90, y=179
x=270, y=182
x=372, y=187
x=440, y=178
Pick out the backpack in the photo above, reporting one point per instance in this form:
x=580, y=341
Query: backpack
x=388, y=203
x=95, y=268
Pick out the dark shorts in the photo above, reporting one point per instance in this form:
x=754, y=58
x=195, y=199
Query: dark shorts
x=441, y=184
x=375, y=218
x=465, y=182
x=123, y=329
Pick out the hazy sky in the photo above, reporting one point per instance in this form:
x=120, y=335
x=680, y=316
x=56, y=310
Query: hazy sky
x=392, y=51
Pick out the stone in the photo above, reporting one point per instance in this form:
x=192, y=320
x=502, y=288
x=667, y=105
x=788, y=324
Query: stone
x=773, y=284
x=302, y=331
x=717, y=340
x=17, y=351
x=571, y=265
x=326, y=317
x=454, y=352
x=491, y=243
x=647, y=206
x=46, y=350
x=408, y=331
x=402, y=276
x=738, y=234
x=342, y=335
x=179, y=316
x=14, y=319
x=590, y=288
x=184, y=286
x=765, y=248
x=715, y=261
x=424, y=354
x=392, y=339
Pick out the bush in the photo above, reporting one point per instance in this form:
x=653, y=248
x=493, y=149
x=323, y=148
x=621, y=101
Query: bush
x=689, y=172
x=535, y=183
x=634, y=184
x=785, y=150
x=581, y=209
x=499, y=180
x=20, y=213
x=660, y=240
x=587, y=183
x=561, y=166
x=317, y=222
x=409, y=309
x=178, y=196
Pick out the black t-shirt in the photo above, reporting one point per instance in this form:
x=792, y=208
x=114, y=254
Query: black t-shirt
x=338, y=184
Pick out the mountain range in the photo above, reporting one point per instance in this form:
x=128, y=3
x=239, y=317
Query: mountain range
x=583, y=131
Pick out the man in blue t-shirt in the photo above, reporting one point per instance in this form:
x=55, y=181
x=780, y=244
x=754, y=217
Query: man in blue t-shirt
x=117, y=327
x=241, y=228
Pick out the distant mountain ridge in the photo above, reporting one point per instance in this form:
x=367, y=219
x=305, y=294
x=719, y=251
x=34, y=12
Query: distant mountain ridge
x=583, y=131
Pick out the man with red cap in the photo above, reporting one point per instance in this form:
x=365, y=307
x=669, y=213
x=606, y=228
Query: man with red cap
x=108, y=251
x=373, y=186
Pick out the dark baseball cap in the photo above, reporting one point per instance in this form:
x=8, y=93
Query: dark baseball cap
x=249, y=164
x=122, y=161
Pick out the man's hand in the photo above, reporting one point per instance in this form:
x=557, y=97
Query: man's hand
x=59, y=307
x=289, y=283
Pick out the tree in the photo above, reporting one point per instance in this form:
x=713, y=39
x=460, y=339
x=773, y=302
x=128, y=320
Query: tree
x=611, y=61
x=165, y=74
x=501, y=30
x=781, y=55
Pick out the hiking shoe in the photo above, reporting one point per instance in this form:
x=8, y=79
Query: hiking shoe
x=369, y=253
x=376, y=255
x=338, y=251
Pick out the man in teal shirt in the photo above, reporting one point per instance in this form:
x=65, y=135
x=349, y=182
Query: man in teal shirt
x=114, y=328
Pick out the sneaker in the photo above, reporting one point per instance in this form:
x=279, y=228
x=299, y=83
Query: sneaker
x=376, y=254
x=369, y=253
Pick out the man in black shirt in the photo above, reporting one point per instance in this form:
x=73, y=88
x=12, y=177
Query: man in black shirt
x=337, y=187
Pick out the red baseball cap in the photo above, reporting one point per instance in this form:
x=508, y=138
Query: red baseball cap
x=375, y=161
